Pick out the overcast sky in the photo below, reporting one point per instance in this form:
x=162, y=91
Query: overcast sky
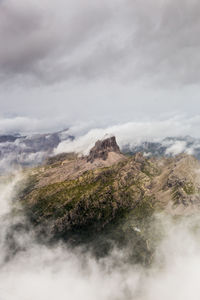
x=102, y=62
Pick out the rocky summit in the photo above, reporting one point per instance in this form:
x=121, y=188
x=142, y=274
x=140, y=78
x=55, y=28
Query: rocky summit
x=74, y=198
x=102, y=149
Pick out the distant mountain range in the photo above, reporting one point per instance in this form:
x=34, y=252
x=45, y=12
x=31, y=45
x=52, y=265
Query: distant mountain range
x=169, y=146
x=28, y=150
x=18, y=150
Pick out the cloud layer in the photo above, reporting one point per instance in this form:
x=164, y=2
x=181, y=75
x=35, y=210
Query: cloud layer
x=134, y=133
x=123, y=39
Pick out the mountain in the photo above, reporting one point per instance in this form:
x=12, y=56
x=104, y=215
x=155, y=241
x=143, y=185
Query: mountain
x=111, y=194
x=168, y=146
x=30, y=150
x=17, y=150
x=103, y=149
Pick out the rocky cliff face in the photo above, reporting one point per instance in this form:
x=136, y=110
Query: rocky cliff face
x=103, y=148
x=69, y=166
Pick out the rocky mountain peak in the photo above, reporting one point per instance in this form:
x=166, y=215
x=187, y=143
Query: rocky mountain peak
x=102, y=148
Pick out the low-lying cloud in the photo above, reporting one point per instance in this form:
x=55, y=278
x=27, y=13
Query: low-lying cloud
x=134, y=133
x=58, y=272
x=179, y=147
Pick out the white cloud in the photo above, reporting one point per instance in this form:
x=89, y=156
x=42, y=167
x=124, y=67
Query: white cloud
x=133, y=133
x=177, y=148
x=28, y=125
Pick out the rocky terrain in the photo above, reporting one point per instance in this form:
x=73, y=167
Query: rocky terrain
x=111, y=195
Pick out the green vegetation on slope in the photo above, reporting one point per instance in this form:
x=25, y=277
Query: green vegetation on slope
x=91, y=200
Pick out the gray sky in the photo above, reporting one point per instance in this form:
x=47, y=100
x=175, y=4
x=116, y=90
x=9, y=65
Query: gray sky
x=102, y=62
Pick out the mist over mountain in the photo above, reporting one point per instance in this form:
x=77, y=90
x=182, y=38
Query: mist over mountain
x=17, y=150
x=21, y=150
x=99, y=150
x=169, y=146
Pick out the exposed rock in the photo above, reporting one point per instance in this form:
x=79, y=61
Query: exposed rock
x=69, y=166
x=102, y=149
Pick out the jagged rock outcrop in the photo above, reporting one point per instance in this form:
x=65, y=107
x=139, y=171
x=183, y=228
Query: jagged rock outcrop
x=68, y=166
x=102, y=149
